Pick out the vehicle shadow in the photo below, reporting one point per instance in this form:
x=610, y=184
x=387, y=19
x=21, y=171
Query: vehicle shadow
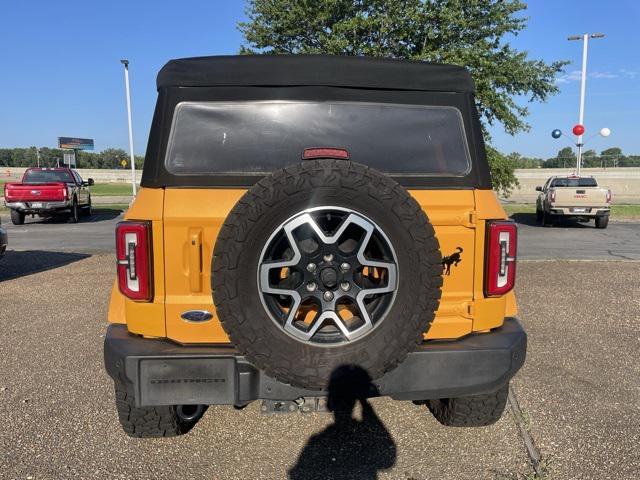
x=529, y=219
x=99, y=215
x=17, y=264
x=349, y=448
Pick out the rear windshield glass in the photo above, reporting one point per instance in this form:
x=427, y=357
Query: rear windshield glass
x=260, y=137
x=574, y=182
x=47, y=176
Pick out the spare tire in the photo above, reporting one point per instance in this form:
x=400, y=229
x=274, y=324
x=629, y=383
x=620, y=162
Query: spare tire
x=323, y=264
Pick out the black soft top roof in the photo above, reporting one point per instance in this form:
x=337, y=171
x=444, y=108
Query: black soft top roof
x=315, y=70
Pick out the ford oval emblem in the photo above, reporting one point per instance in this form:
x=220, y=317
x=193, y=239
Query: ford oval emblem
x=197, y=316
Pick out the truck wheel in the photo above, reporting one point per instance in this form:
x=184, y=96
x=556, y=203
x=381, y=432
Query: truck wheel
x=602, y=222
x=87, y=211
x=539, y=215
x=546, y=219
x=472, y=411
x=323, y=264
x=155, y=422
x=74, y=215
x=17, y=218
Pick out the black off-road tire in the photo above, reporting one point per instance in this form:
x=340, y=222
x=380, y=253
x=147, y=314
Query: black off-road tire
x=17, y=218
x=472, y=411
x=150, y=422
x=271, y=202
x=602, y=222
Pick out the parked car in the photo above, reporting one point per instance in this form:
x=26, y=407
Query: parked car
x=573, y=197
x=48, y=192
x=3, y=240
x=310, y=227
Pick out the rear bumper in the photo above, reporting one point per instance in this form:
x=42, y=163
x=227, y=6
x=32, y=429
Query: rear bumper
x=159, y=372
x=28, y=207
x=589, y=212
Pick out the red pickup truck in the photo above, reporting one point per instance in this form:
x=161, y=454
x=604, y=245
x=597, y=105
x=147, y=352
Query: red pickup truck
x=48, y=192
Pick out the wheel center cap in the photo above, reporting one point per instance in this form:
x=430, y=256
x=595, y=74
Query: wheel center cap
x=329, y=277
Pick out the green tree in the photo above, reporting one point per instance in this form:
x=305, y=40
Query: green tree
x=502, y=168
x=460, y=32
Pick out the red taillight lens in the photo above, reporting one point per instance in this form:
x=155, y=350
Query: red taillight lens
x=324, y=152
x=500, y=267
x=133, y=257
x=552, y=195
x=608, y=196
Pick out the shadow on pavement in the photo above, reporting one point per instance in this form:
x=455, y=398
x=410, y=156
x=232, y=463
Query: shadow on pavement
x=529, y=219
x=349, y=448
x=99, y=215
x=20, y=263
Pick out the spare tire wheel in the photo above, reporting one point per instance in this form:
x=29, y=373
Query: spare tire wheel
x=323, y=264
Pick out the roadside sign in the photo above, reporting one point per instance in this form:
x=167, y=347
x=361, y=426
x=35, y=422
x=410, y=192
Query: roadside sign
x=73, y=143
x=123, y=163
x=70, y=159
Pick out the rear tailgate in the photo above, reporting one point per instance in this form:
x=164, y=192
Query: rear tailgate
x=25, y=192
x=580, y=197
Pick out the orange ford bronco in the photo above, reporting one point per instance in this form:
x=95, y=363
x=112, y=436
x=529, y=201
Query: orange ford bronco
x=304, y=217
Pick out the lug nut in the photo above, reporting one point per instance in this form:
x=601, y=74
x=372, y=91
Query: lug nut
x=311, y=286
x=328, y=296
x=328, y=257
x=345, y=267
x=311, y=267
x=345, y=286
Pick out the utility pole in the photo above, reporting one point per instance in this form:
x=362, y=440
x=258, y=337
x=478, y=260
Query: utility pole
x=133, y=161
x=583, y=83
x=38, y=156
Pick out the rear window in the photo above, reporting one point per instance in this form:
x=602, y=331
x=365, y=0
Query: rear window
x=212, y=138
x=574, y=182
x=47, y=176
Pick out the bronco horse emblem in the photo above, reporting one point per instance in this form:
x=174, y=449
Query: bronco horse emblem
x=454, y=259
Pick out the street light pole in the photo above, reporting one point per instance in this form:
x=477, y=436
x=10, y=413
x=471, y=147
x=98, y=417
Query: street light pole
x=583, y=85
x=133, y=161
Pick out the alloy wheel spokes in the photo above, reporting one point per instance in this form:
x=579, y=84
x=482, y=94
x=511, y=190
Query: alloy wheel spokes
x=308, y=285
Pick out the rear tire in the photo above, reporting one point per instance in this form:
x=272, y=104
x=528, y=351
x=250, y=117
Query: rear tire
x=87, y=211
x=151, y=422
x=546, y=219
x=472, y=411
x=539, y=215
x=74, y=215
x=602, y=222
x=17, y=218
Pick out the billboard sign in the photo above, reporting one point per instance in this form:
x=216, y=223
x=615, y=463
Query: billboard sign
x=73, y=143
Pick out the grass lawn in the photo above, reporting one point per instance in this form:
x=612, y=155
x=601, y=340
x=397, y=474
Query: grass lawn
x=99, y=189
x=111, y=189
x=622, y=212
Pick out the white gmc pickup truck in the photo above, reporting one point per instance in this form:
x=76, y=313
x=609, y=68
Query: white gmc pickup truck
x=575, y=197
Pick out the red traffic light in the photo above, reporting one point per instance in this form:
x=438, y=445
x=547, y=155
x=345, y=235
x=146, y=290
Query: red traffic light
x=578, y=129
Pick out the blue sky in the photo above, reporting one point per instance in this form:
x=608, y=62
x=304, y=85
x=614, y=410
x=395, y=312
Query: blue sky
x=61, y=75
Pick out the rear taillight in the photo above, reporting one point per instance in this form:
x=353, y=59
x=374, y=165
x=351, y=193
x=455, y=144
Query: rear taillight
x=133, y=257
x=500, y=267
x=608, y=196
x=64, y=193
x=552, y=195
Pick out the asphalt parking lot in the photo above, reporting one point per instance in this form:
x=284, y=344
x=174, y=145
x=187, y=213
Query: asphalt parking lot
x=579, y=390
x=567, y=241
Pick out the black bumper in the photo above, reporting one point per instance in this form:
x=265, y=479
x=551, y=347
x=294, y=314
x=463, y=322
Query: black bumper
x=160, y=372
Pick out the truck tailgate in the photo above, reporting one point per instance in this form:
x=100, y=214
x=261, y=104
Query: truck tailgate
x=580, y=197
x=25, y=192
